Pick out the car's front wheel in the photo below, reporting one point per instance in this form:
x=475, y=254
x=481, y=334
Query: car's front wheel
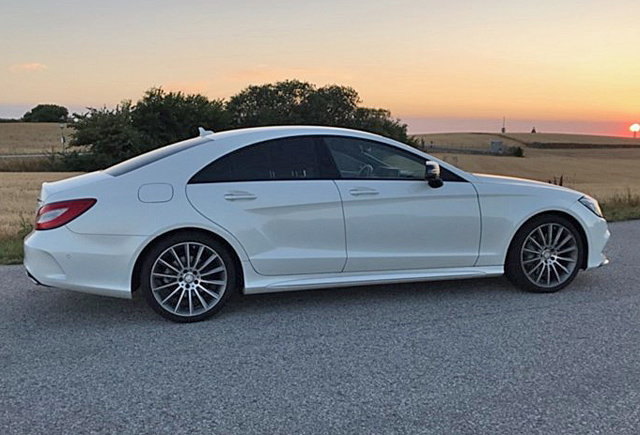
x=187, y=277
x=545, y=255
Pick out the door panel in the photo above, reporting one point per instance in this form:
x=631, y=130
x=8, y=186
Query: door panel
x=286, y=227
x=406, y=224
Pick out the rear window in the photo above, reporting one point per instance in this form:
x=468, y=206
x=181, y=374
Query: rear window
x=153, y=156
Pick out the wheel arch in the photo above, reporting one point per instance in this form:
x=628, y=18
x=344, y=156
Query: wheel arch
x=570, y=218
x=135, y=275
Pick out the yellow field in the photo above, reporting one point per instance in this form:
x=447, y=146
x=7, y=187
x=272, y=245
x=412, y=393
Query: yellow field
x=557, y=138
x=31, y=137
x=602, y=173
x=599, y=172
x=483, y=140
x=18, y=194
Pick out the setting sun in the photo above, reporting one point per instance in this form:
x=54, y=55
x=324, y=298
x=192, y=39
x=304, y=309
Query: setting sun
x=635, y=128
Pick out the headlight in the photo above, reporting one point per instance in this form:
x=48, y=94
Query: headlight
x=592, y=205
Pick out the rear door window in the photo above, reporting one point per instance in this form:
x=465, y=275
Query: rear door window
x=293, y=158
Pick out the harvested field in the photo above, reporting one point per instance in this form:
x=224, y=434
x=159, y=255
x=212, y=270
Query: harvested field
x=18, y=194
x=599, y=172
x=31, y=137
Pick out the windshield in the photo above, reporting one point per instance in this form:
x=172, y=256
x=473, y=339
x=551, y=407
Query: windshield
x=153, y=156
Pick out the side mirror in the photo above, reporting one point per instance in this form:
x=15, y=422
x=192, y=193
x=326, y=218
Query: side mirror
x=432, y=174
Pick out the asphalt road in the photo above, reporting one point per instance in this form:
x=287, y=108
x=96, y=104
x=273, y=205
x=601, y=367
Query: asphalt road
x=466, y=357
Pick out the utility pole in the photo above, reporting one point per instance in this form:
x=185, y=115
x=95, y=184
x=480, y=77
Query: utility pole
x=63, y=139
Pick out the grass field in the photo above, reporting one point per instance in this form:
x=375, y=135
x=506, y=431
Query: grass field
x=31, y=137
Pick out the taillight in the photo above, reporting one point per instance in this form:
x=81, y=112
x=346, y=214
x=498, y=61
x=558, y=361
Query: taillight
x=60, y=213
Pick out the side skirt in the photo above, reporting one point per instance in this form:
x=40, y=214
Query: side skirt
x=255, y=284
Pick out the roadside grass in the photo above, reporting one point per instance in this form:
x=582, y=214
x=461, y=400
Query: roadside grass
x=11, y=251
x=621, y=207
x=26, y=164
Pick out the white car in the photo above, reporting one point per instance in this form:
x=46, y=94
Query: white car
x=288, y=208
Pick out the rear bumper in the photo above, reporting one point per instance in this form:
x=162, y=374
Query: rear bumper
x=95, y=264
x=33, y=279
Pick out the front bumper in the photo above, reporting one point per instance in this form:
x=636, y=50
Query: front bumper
x=597, y=233
x=97, y=264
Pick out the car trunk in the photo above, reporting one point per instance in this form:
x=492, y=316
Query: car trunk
x=50, y=189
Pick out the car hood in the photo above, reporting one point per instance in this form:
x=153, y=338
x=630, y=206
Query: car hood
x=499, y=179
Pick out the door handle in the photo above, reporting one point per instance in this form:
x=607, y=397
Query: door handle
x=360, y=191
x=239, y=196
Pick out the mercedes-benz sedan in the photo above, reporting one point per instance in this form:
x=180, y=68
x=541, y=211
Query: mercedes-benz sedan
x=289, y=208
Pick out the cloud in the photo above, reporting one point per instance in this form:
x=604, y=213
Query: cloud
x=28, y=67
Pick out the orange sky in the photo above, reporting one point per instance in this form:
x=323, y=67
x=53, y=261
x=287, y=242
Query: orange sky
x=573, y=65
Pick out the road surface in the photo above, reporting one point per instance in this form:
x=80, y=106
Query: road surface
x=463, y=357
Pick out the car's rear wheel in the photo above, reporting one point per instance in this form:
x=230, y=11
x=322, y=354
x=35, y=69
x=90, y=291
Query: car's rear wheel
x=188, y=277
x=545, y=255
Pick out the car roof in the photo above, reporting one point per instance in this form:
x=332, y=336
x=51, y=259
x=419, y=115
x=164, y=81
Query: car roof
x=296, y=130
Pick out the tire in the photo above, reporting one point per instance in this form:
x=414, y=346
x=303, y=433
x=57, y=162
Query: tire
x=188, y=288
x=545, y=255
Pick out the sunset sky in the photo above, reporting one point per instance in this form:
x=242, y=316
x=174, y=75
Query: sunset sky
x=569, y=66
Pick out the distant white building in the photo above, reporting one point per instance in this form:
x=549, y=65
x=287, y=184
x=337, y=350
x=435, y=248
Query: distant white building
x=497, y=147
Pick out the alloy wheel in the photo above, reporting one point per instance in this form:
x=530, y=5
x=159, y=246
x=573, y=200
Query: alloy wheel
x=188, y=279
x=549, y=255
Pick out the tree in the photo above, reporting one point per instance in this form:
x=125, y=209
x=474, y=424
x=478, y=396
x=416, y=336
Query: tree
x=167, y=117
x=46, y=113
x=381, y=122
x=269, y=104
x=331, y=105
x=160, y=118
x=293, y=102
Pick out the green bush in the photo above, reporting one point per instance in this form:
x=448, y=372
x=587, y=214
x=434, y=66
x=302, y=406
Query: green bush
x=163, y=117
x=109, y=136
x=515, y=151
